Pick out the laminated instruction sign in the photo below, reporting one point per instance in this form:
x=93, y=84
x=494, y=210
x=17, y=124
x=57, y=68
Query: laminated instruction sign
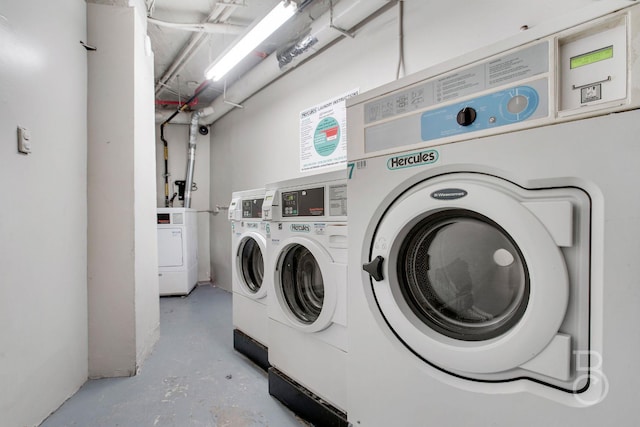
x=323, y=134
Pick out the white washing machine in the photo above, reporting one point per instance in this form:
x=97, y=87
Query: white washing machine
x=248, y=253
x=307, y=269
x=493, y=274
x=177, y=250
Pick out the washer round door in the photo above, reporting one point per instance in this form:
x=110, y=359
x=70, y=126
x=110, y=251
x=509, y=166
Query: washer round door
x=250, y=252
x=305, y=284
x=467, y=276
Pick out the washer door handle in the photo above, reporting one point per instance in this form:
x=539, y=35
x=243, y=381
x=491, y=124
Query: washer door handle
x=374, y=268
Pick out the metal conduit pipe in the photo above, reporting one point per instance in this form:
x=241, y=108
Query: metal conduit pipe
x=191, y=153
x=346, y=15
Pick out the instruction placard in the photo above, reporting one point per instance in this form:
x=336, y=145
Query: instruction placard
x=323, y=134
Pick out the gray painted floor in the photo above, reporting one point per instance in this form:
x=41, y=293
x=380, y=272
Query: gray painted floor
x=192, y=378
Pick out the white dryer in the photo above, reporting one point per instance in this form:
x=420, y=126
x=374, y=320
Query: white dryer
x=177, y=250
x=248, y=253
x=493, y=271
x=307, y=269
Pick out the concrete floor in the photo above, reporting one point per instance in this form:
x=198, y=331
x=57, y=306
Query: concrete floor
x=192, y=378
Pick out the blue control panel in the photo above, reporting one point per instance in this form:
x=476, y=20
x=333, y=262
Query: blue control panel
x=501, y=108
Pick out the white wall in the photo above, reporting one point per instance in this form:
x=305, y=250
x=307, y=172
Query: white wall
x=178, y=142
x=147, y=307
x=122, y=254
x=244, y=155
x=43, y=210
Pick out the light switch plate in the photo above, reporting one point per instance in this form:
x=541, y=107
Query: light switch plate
x=24, y=140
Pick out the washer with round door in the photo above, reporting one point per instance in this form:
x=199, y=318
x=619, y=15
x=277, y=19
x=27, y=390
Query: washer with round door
x=493, y=271
x=474, y=274
x=307, y=268
x=248, y=254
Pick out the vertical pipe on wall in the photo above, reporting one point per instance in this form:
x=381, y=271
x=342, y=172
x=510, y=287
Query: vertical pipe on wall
x=191, y=158
x=166, y=166
x=183, y=107
x=191, y=154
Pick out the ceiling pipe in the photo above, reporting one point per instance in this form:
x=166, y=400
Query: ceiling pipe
x=178, y=103
x=323, y=32
x=346, y=15
x=203, y=27
x=219, y=13
x=194, y=99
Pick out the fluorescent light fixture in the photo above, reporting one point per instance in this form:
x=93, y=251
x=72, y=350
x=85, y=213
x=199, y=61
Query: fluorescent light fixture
x=256, y=35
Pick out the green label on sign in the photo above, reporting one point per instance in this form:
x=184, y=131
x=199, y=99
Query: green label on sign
x=327, y=136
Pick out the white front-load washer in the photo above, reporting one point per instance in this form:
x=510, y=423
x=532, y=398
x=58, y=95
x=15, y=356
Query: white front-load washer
x=248, y=254
x=307, y=270
x=492, y=272
x=177, y=251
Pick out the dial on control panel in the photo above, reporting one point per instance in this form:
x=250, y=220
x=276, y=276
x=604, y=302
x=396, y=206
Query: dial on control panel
x=466, y=116
x=503, y=107
x=517, y=104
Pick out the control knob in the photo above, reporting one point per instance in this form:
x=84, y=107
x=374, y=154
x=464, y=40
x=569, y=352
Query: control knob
x=517, y=104
x=466, y=116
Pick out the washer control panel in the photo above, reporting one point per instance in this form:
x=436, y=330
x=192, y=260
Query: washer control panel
x=303, y=202
x=252, y=208
x=585, y=70
x=500, y=108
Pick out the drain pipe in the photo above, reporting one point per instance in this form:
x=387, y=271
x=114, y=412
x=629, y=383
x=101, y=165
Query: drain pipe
x=191, y=154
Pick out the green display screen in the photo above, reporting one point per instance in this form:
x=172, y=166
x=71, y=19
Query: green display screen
x=592, y=57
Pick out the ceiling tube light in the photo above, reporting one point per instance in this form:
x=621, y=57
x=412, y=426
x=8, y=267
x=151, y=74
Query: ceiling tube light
x=256, y=35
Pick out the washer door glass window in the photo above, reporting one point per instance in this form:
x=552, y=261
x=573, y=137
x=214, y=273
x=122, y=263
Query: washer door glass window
x=302, y=284
x=463, y=275
x=252, y=265
x=476, y=284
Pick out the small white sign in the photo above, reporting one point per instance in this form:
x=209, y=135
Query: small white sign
x=323, y=134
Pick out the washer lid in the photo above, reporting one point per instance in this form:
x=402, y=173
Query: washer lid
x=472, y=282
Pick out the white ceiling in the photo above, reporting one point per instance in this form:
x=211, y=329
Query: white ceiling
x=170, y=44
